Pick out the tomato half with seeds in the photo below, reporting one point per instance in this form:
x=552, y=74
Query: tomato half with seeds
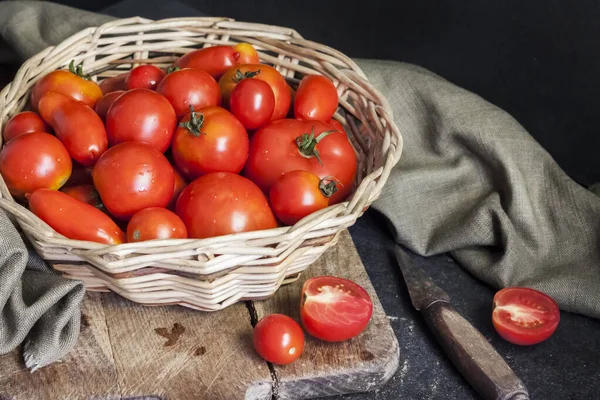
x=524, y=316
x=22, y=123
x=278, y=339
x=281, y=89
x=334, y=309
x=155, y=223
x=215, y=60
x=316, y=98
x=189, y=87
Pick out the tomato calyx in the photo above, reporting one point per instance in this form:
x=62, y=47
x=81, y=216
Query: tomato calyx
x=78, y=70
x=240, y=76
x=328, y=186
x=172, y=68
x=195, y=123
x=307, y=143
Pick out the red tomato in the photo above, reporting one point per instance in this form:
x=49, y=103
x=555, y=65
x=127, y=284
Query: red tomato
x=189, y=87
x=114, y=83
x=105, y=102
x=524, y=316
x=221, y=203
x=73, y=218
x=85, y=193
x=69, y=83
x=252, y=102
x=144, y=77
x=32, y=161
x=76, y=125
x=24, y=122
x=217, y=59
x=141, y=115
x=334, y=309
x=337, y=125
x=132, y=176
x=289, y=144
x=278, y=339
x=281, y=89
x=316, y=98
x=297, y=194
x=155, y=223
x=180, y=184
x=210, y=140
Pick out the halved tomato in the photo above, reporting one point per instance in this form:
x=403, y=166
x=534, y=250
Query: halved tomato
x=334, y=309
x=524, y=316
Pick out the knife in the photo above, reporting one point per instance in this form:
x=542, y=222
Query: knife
x=470, y=352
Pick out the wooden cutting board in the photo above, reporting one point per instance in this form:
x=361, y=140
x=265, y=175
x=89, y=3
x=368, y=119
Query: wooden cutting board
x=126, y=351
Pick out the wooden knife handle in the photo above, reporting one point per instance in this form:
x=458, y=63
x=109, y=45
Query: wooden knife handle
x=473, y=355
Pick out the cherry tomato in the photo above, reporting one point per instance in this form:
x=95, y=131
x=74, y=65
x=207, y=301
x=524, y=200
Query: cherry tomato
x=103, y=105
x=252, y=102
x=524, y=316
x=70, y=83
x=189, y=87
x=114, y=83
x=32, y=161
x=155, y=223
x=221, y=203
x=289, y=144
x=278, y=339
x=85, y=193
x=141, y=115
x=215, y=60
x=334, y=309
x=296, y=194
x=76, y=125
x=316, y=98
x=180, y=184
x=144, y=77
x=132, y=176
x=281, y=89
x=210, y=140
x=74, y=219
x=24, y=122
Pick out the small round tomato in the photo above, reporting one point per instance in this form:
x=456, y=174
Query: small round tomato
x=72, y=83
x=76, y=125
x=221, y=203
x=279, y=86
x=24, y=122
x=114, y=83
x=103, y=105
x=524, y=316
x=316, y=98
x=297, y=194
x=155, y=223
x=144, y=77
x=290, y=144
x=189, y=87
x=141, y=115
x=217, y=59
x=132, y=176
x=32, y=161
x=180, y=184
x=85, y=193
x=74, y=219
x=210, y=140
x=278, y=339
x=252, y=102
x=334, y=309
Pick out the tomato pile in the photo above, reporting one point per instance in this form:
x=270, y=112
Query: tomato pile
x=332, y=309
x=213, y=145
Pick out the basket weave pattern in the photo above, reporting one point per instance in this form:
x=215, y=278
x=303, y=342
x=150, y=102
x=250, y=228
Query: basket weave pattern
x=209, y=274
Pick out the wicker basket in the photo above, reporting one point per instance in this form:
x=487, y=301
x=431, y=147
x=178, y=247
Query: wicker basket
x=209, y=274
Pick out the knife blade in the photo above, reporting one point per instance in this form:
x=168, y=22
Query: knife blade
x=470, y=352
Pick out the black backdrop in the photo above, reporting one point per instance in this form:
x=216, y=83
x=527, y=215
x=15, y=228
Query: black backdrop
x=538, y=60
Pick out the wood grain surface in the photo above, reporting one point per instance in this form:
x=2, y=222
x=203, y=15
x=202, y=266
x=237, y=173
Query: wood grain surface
x=128, y=351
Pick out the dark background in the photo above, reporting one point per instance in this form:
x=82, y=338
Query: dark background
x=538, y=61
